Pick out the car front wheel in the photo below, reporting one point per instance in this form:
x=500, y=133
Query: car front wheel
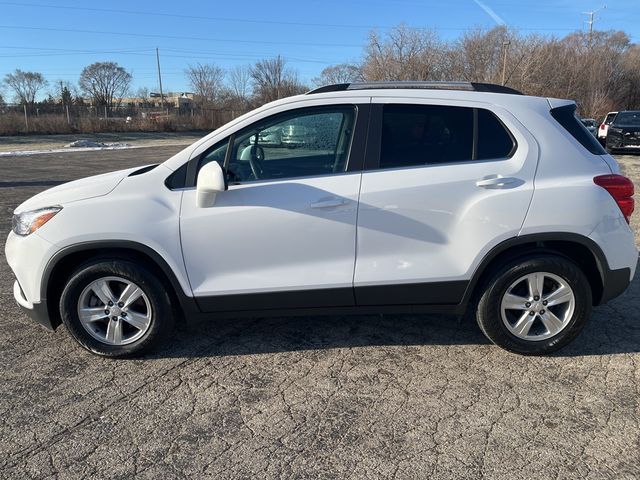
x=535, y=305
x=116, y=308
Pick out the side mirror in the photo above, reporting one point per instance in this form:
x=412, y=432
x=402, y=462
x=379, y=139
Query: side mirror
x=210, y=182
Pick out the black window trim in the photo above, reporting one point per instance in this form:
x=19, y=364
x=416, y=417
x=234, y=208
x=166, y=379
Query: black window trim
x=357, y=146
x=372, y=157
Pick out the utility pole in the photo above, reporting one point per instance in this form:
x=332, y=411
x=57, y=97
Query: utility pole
x=505, y=44
x=160, y=80
x=591, y=20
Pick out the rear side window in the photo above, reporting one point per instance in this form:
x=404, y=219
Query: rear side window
x=421, y=134
x=566, y=116
x=415, y=135
x=609, y=119
x=494, y=141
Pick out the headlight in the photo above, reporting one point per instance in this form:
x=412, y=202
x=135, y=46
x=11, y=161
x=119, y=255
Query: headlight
x=28, y=222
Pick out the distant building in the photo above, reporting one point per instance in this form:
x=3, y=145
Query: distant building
x=182, y=100
x=173, y=99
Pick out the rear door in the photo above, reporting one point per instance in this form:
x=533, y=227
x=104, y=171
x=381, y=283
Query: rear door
x=442, y=185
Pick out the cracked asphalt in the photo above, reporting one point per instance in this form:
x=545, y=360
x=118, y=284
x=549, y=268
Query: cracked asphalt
x=394, y=396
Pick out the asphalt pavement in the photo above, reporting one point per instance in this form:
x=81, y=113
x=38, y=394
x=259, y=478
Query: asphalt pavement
x=394, y=396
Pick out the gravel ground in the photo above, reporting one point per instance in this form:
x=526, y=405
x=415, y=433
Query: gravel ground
x=403, y=396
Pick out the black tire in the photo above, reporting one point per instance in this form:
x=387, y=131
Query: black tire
x=489, y=316
x=162, y=318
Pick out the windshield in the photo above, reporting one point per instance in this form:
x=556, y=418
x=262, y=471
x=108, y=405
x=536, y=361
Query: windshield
x=628, y=119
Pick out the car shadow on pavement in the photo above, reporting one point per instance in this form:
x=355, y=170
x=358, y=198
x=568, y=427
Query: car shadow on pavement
x=609, y=331
x=251, y=336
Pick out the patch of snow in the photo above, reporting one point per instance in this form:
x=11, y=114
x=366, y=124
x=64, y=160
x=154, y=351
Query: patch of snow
x=92, y=144
x=67, y=149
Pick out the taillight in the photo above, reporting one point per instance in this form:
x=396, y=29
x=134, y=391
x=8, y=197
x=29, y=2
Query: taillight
x=621, y=189
x=602, y=126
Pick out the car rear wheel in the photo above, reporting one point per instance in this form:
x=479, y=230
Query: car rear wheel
x=116, y=308
x=535, y=305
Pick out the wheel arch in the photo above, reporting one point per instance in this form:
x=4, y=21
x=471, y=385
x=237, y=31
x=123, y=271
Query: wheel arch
x=580, y=249
x=63, y=263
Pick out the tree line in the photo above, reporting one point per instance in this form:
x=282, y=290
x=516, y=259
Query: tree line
x=600, y=70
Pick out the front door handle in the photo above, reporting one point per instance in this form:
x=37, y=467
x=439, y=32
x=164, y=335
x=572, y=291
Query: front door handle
x=497, y=181
x=329, y=203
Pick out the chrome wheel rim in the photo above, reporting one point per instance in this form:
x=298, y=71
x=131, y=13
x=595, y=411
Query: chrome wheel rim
x=114, y=311
x=537, y=306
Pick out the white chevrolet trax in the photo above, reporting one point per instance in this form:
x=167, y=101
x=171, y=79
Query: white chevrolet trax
x=420, y=197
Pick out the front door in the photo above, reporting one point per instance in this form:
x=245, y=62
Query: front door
x=283, y=234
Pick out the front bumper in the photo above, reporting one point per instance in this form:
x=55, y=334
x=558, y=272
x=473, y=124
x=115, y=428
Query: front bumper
x=36, y=311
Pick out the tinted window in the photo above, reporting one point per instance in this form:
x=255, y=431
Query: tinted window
x=609, y=119
x=305, y=143
x=628, y=119
x=566, y=116
x=425, y=134
x=494, y=141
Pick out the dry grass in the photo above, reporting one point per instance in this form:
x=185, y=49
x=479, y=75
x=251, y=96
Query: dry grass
x=14, y=124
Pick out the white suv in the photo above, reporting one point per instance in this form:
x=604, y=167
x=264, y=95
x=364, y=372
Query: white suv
x=604, y=127
x=415, y=197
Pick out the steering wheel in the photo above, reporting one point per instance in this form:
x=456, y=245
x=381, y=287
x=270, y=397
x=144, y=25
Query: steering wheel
x=256, y=157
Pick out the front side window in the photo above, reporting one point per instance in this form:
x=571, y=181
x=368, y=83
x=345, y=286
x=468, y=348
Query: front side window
x=217, y=153
x=304, y=143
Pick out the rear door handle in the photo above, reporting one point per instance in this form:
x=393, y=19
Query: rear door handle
x=496, y=181
x=329, y=203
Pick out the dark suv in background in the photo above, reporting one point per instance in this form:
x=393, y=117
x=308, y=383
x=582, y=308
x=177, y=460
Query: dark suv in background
x=624, y=132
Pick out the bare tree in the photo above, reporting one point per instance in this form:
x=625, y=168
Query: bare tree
x=272, y=80
x=206, y=82
x=105, y=83
x=240, y=81
x=341, y=73
x=404, y=54
x=25, y=85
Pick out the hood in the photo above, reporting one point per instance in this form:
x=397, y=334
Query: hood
x=82, y=189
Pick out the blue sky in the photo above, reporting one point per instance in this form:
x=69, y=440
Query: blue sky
x=58, y=38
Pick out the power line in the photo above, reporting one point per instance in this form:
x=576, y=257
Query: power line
x=188, y=17
x=245, y=20
x=178, y=37
x=201, y=56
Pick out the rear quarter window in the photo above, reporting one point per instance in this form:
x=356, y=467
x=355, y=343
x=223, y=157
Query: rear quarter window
x=566, y=117
x=494, y=140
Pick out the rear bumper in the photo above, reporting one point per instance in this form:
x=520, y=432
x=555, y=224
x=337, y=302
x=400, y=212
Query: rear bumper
x=615, y=282
x=38, y=312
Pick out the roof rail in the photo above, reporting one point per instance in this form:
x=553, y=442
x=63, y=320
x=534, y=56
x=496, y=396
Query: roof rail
x=468, y=86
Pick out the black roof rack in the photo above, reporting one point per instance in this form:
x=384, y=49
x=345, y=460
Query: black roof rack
x=468, y=86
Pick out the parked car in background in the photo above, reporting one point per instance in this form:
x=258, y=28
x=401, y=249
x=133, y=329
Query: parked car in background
x=268, y=137
x=297, y=135
x=604, y=126
x=624, y=132
x=590, y=125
